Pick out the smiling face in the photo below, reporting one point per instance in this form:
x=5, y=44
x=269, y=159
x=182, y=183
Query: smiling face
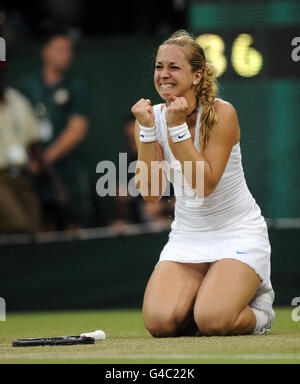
x=173, y=74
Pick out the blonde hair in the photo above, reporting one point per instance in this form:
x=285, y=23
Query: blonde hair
x=207, y=89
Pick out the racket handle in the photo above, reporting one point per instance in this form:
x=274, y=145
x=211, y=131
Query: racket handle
x=97, y=335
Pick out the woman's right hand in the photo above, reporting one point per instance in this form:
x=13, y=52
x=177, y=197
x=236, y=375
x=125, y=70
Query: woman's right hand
x=143, y=112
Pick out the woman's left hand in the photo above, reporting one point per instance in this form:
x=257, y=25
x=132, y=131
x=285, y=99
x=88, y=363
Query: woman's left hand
x=177, y=111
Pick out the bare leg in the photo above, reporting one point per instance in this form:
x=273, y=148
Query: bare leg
x=221, y=307
x=169, y=298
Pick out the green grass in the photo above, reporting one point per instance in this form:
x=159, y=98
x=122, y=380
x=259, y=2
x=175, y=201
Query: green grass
x=128, y=342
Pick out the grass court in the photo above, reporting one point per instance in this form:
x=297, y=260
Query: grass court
x=128, y=342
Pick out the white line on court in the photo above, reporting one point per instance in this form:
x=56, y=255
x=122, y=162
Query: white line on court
x=263, y=356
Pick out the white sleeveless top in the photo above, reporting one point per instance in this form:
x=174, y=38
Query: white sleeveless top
x=231, y=204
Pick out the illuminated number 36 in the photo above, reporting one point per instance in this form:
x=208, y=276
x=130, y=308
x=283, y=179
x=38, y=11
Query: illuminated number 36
x=214, y=47
x=246, y=60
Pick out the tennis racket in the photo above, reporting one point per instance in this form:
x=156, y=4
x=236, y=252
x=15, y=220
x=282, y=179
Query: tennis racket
x=44, y=341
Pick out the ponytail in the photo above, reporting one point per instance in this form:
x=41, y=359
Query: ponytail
x=207, y=91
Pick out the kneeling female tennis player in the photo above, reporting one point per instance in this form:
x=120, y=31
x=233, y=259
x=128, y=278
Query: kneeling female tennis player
x=213, y=275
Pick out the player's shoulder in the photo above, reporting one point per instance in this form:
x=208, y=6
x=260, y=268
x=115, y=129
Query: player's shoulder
x=227, y=125
x=224, y=108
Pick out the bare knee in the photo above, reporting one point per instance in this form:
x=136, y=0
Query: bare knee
x=162, y=324
x=214, y=323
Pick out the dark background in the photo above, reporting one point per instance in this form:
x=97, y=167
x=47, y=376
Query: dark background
x=29, y=18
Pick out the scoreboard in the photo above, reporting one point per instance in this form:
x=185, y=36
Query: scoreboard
x=255, y=48
x=249, y=38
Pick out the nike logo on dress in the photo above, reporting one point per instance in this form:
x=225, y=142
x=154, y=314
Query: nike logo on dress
x=142, y=136
x=241, y=253
x=180, y=137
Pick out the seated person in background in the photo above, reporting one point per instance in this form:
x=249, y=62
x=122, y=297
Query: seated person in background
x=132, y=210
x=19, y=207
x=61, y=102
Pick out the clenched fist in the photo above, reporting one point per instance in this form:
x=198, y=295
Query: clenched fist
x=177, y=111
x=143, y=112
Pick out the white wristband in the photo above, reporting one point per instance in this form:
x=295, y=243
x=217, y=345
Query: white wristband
x=180, y=133
x=147, y=135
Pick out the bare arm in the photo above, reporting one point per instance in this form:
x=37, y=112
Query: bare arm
x=150, y=180
x=151, y=155
x=216, y=154
x=71, y=136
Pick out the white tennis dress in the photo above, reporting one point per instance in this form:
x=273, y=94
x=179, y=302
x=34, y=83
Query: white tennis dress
x=227, y=224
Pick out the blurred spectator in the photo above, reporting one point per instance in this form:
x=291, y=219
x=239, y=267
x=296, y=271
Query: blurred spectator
x=133, y=210
x=19, y=207
x=61, y=103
